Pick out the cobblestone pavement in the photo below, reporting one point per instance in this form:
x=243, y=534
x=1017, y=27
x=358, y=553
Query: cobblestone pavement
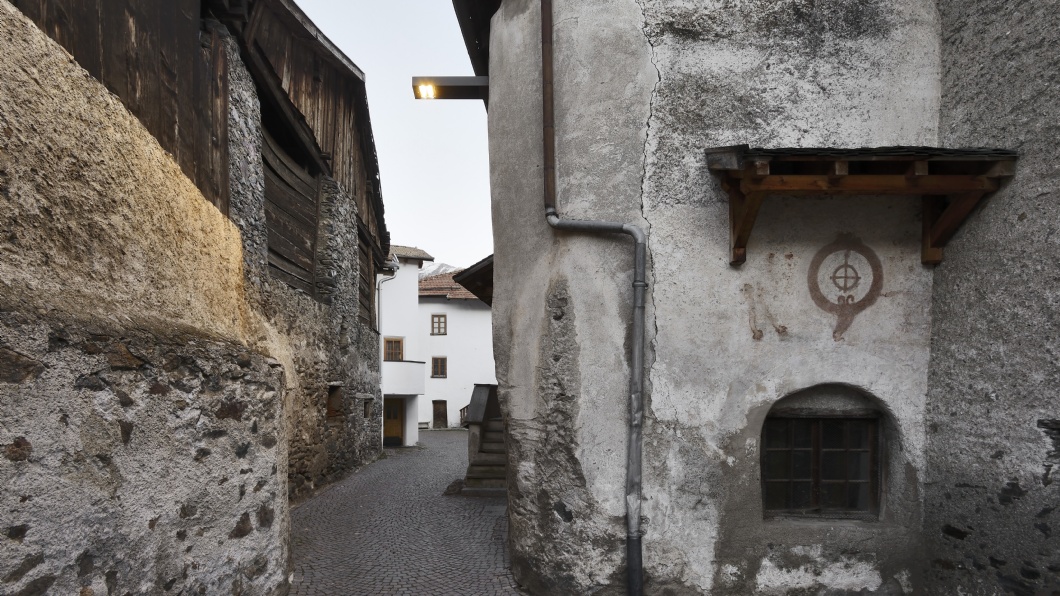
x=388, y=529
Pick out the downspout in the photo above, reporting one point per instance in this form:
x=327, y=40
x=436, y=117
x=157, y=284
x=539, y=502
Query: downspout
x=634, y=562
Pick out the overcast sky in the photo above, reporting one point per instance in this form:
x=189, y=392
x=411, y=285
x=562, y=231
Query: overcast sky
x=433, y=159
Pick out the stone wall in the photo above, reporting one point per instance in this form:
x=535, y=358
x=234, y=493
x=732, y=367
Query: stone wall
x=138, y=463
x=142, y=421
x=323, y=347
x=994, y=439
x=642, y=88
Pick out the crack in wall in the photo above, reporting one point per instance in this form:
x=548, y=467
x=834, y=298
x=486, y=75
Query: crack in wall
x=643, y=191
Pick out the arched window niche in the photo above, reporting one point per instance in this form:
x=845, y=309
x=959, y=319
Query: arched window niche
x=824, y=454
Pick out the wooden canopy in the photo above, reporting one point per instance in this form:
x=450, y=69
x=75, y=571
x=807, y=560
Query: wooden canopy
x=950, y=182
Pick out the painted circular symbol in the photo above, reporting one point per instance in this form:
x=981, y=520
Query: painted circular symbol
x=845, y=278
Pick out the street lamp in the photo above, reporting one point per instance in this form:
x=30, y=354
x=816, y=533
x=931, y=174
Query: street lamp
x=451, y=87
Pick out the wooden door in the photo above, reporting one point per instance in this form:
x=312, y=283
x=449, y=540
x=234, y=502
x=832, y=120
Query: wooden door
x=441, y=414
x=393, y=422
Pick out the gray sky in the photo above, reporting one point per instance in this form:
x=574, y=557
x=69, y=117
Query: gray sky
x=433, y=158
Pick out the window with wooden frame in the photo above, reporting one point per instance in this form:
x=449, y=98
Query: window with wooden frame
x=820, y=467
x=439, y=368
x=438, y=325
x=393, y=349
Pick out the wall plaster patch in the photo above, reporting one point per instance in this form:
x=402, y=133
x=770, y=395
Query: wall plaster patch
x=845, y=278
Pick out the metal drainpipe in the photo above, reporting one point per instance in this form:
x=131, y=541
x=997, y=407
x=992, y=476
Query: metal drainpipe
x=634, y=561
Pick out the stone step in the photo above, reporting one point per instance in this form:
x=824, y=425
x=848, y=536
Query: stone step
x=492, y=437
x=489, y=459
x=496, y=426
x=492, y=448
x=475, y=471
x=482, y=483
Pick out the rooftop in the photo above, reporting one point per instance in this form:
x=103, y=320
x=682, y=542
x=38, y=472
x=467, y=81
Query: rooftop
x=443, y=286
x=409, y=252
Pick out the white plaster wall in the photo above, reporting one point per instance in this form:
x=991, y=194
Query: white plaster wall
x=412, y=427
x=468, y=345
x=642, y=88
x=399, y=307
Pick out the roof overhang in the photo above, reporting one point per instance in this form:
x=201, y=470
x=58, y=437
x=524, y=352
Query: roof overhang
x=474, y=19
x=951, y=182
x=478, y=279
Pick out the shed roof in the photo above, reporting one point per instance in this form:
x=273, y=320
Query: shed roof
x=443, y=286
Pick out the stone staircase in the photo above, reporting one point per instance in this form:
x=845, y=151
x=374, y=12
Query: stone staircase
x=487, y=455
x=488, y=466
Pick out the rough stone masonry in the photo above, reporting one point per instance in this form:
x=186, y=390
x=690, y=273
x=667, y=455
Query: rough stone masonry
x=153, y=376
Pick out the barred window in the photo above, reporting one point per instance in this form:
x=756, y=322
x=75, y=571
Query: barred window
x=820, y=466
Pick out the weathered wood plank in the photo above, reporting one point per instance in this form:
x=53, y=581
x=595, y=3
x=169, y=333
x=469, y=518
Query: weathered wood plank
x=276, y=270
x=75, y=25
x=146, y=64
x=33, y=9
x=220, y=123
x=868, y=184
x=960, y=207
x=116, y=30
x=170, y=61
x=930, y=253
x=300, y=206
x=294, y=173
x=744, y=213
x=295, y=254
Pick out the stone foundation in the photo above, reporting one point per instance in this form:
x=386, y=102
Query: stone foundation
x=135, y=463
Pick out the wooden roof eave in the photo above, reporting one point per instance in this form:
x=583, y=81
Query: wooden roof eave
x=951, y=183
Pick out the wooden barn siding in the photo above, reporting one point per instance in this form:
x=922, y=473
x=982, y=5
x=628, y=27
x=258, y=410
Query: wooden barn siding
x=327, y=98
x=168, y=72
x=291, y=218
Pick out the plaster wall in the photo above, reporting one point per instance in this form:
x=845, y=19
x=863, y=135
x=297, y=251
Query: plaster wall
x=642, y=88
x=400, y=307
x=994, y=442
x=142, y=429
x=81, y=180
x=468, y=347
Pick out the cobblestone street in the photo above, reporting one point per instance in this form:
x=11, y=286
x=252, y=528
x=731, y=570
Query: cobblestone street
x=388, y=529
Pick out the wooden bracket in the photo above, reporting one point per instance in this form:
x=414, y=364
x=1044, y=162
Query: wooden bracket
x=951, y=183
x=743, y=211
x=940, y=224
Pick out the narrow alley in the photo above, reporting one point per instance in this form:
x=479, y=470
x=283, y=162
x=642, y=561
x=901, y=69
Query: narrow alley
x=389, y=529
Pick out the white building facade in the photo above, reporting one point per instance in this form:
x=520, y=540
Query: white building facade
x=403, y=368
x=457, y=344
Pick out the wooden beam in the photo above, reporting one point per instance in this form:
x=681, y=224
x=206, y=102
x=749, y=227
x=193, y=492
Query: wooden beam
x=272, y=90
x=1002, y=169
x=917, y=168
x=868, y=185
x=951, y=219
x=930, y=254
x=743, y=211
